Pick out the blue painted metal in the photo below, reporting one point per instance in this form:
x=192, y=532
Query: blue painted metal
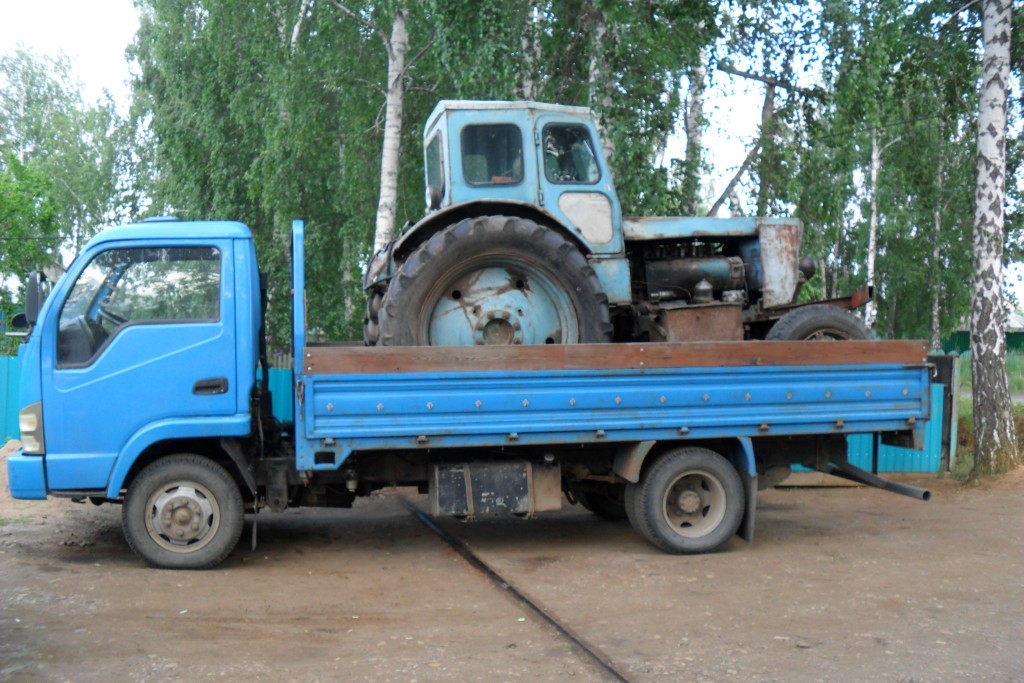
x=452, y=117
x=545, y=310
x=616, y=282
x=430, y=410
x=666, y=227
x=26, y=476
x=139, y=388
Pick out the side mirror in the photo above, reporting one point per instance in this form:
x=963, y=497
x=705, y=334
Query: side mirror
x=34, y=297
x=19, y=322
x=434, y=197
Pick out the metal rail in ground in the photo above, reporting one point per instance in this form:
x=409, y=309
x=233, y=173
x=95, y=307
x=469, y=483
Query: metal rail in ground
x=589, y=651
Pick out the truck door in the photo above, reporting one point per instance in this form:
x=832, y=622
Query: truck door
x=144, y=335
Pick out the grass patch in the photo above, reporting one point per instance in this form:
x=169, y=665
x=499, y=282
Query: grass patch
x=964, y=463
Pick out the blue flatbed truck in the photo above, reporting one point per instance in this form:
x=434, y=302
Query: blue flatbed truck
x=140, y=387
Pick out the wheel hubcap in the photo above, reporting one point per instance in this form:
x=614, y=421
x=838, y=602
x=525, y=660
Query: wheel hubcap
x=182, y=517
x=694, y=505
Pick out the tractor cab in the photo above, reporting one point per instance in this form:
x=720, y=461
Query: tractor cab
x=543, y=155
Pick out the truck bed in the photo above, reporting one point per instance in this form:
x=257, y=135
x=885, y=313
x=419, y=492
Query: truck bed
x=377, y=398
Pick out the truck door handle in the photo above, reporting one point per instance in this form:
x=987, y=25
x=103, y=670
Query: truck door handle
x=210, y=386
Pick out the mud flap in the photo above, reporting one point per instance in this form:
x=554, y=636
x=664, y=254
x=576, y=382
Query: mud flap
x=742, y=459
x=746, y=530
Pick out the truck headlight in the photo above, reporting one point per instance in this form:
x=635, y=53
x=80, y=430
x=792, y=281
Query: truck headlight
x=30, y=420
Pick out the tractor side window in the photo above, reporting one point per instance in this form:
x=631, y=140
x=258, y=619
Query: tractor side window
x=569, y=155
x=123, y=287
x=435, y=164
x=492, y=154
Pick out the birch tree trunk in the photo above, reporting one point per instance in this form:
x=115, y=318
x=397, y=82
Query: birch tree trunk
x=935, y=269
x=765, y=164
x=530, y=44
x=876, y=162
x=598, y=79
x=396, y=45
x=694, y=135
x=872, y=227
x=995, y=441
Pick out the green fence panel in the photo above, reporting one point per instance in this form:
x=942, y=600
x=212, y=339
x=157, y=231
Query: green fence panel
x=960, y=342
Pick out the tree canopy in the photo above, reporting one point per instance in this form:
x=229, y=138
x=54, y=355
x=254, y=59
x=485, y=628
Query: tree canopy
x=265, y=111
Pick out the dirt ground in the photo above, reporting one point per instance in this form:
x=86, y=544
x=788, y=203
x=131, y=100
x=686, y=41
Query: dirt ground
x=845, y=584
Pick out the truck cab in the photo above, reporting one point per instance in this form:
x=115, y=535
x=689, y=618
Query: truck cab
x=157, y=322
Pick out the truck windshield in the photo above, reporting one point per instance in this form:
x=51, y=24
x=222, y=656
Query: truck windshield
x=121, y=287
x=492, y=154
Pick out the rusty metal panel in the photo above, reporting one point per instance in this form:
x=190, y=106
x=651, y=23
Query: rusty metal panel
x=780, y=257
x=702, y=323
x=357, y=360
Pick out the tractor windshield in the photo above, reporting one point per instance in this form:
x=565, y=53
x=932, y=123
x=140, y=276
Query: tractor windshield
x=492, y=154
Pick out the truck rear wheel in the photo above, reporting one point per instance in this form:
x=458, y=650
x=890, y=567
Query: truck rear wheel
x=819, y=322
x=609, y=504
x=689, y=501
x=494, y=280
x=183, y=512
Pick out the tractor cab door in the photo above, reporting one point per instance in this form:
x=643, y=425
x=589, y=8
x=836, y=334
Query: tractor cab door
x=576, y=184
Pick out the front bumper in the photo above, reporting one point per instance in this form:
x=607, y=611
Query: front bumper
x=26, y=477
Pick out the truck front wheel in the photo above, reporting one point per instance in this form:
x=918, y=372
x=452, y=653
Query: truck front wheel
x=494, y=280
x=183, y=512
x=690, y=500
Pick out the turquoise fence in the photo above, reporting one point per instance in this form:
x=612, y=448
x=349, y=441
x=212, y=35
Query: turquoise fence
x=10, y=375
x=890, y=458
x=896, y=459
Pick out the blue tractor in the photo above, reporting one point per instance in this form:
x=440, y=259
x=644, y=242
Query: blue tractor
x=524, y=242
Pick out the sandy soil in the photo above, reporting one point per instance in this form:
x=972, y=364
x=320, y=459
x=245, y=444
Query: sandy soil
x=840, y=585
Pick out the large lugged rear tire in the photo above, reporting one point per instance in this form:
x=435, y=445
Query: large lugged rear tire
x=690, y=500
x=183, y=512
x=819, y=322
x=494, y=280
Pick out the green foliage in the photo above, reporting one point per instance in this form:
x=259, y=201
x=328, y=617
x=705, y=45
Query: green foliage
x=84, y=150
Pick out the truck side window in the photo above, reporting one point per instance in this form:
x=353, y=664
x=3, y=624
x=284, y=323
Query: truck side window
x=123, y=287
x=569, y=155
x=492, y=154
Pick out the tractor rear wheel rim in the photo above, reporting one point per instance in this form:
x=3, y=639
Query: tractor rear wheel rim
x=499, y=301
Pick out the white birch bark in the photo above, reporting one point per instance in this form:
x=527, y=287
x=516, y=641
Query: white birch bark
x=870, y=308
x=694, y=123
x=531, y=51
x=297, y=28
x=936, y=280
x=995, y=440
x=598, y=78
x=397, y=45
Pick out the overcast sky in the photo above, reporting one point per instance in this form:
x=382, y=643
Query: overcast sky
x=92, y=33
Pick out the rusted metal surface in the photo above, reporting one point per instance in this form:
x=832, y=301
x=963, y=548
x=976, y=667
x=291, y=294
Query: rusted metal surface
x=702, y=323
x=780, y=254
x=372, y=360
